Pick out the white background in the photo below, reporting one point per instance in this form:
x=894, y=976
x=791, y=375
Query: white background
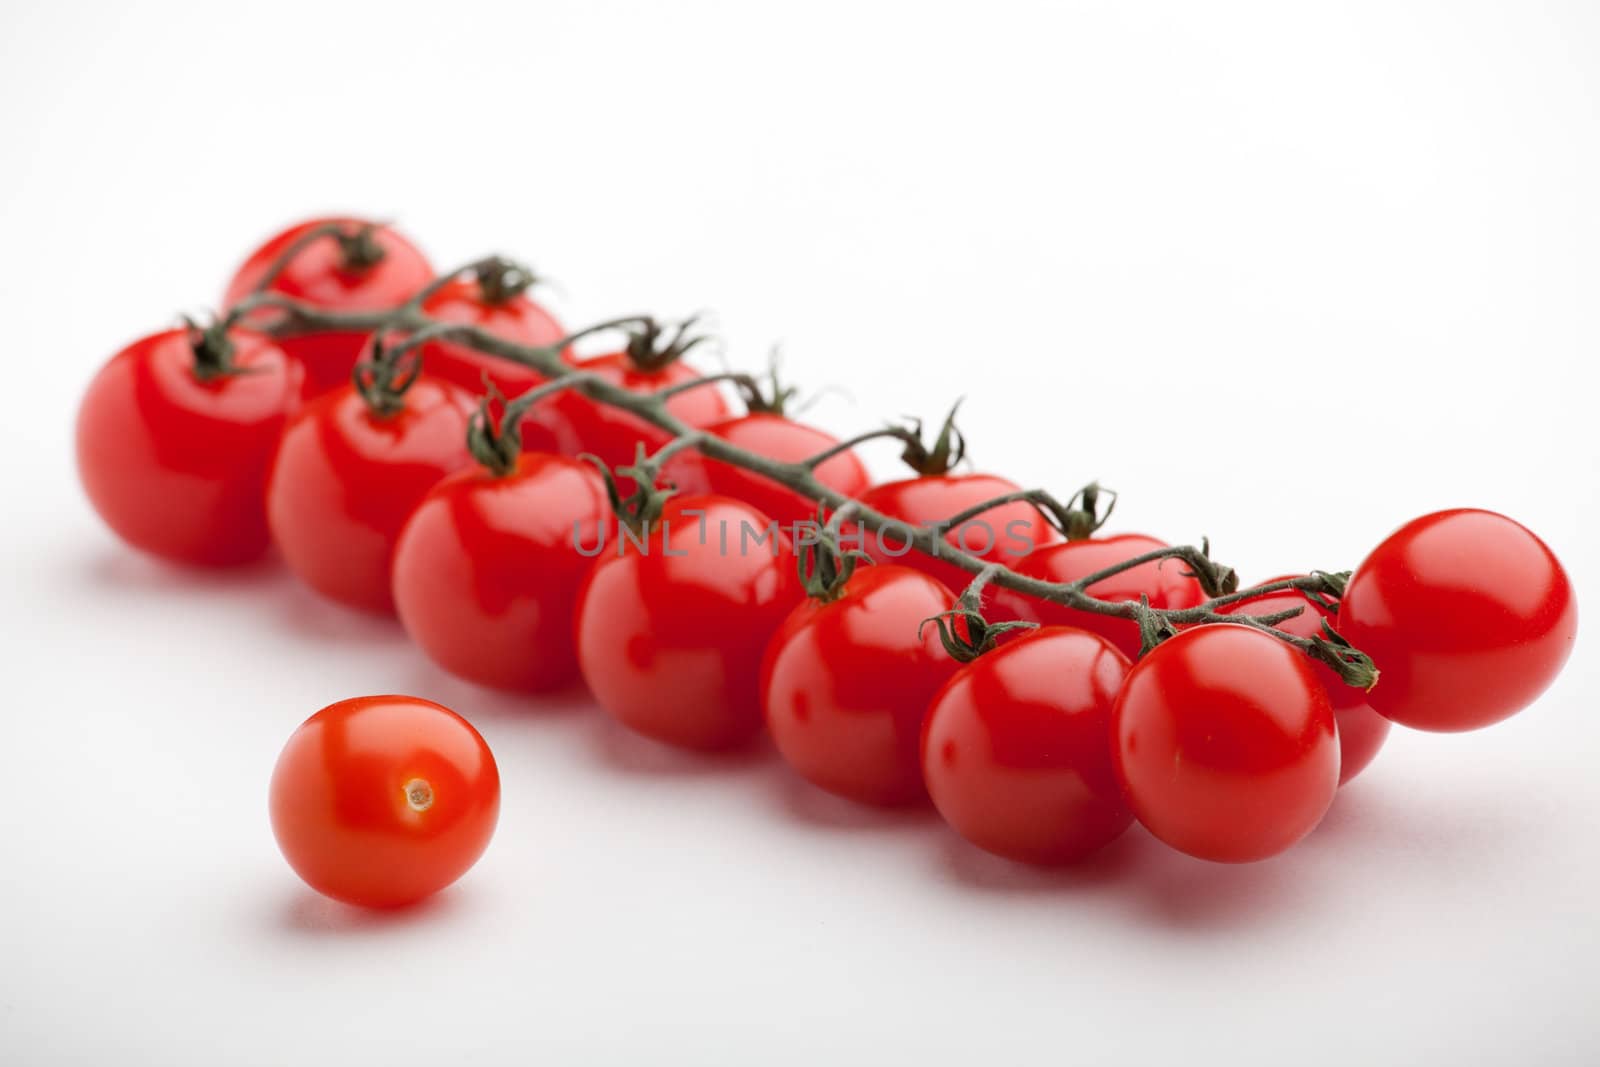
x=1286, y=275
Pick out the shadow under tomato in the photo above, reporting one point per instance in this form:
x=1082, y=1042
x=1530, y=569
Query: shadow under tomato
x=479, y=703
x=119, y=569
x=620, y=749
x=310, y=914
x=798, y=799
x=970, y=866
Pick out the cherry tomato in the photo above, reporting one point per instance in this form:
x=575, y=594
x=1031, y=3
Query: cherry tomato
x=364, y=268
x=1225, y=745
x=1468, y=616
x=779, y=438
x=515, y=318
x=1015, y=747
x=1361, y=730
x=346, y=479
x=1003, y=534
x=174, y=457
x=381, y=801
x=670, y=636
x=846, y=683
x=1165, y=582
x=613, y=435
x=487, y=569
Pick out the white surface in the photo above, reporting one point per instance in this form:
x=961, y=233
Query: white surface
x=1286, y=278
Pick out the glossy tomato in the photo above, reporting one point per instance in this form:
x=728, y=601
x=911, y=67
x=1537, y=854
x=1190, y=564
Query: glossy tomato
x=361, y=267
x=846, y=683
x=173, y=451
x=1361, y=730
x=346, y=479
x=779, y=438
x=384, y=800
x=670, y=635
x=487, y=569
x=1225, y=745
x=1016, y=751
x=1467, y=615
x=1165, y=582
x=1003, y=534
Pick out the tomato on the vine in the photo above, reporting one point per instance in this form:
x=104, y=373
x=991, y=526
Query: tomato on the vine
x=1166, y=582
x=384, y=800
x=846, y=682
x=347, y=477
x=487, y=569
x=174, y=438
x=335, y=264
x=1467, y=615
x=775, y=437
x=670, y=635
x=1015, y=747
x=1361, y=730
x=1224, y=743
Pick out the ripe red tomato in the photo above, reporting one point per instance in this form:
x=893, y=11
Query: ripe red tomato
x=1224, y=743
x=346, y=479
x=1003, y=534
x=173, y=457
x=1165, y=582
x=487, y=569
x=846, y=682
x=381, y=801
x=613, y=435
x=1361, y=730
x=364, y=268
x=1015, y=747
x=1467, y=615
x=670, y=636
x=779, y=438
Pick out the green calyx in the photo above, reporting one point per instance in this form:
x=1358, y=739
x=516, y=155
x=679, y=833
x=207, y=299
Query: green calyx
x=501, y=280
x=825, y=567
x=383, y=378
x=653, y=347
x=496, y=443
x=774, y=400
x=1083, y=516
x=359, y=249
x=963, y=631
x=213, y=350
x=949, y=448
x=1352, y=666
x=641, y=509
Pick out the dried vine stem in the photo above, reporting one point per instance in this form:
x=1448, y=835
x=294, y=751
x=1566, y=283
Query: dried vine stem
x=1219, y=583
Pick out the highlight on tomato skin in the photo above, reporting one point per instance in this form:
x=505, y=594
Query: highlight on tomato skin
x=174, y=459
x=1225, y=744
x=1015, y=748
x=1468, y=615
x=382, y=801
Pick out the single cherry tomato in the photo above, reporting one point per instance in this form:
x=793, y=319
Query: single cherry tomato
x=487, y=569
x=1225, y=744
x=846, y=683
x=381, y=801
x=670, y=635
x=346, y=479
x=353, y=266
x=1166, y=582
x=584, y=426
x=1361, y=730
x=506, y=312
x=174, y=438
x=779, y=438
x=1003, y=534
x=1016, y=752
x=1467, y=615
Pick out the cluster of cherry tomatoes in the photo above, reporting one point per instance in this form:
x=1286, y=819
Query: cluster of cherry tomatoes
x=208, y=444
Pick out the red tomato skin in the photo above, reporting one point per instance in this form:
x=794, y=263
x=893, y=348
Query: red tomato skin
x=345, y=480
x=845, y=684
x=175, y=466
x=779, y=438
x=487, y=570
x=1163, y=581
x=935, y=498
x=583, y=426
x=339, y=806
x=517, y=319
x=671, y=645
x=1362, y=731
x=1225, y=745
x=316, y=276
x=1468, y=616
x=1015, y=748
